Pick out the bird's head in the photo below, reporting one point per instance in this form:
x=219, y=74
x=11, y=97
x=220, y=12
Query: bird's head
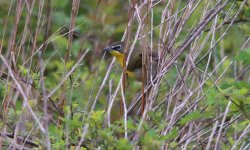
x=116, y=49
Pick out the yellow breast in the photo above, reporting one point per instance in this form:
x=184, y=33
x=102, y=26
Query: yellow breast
x=119, y=57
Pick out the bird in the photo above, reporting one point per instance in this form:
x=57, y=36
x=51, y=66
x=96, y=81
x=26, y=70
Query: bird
x=134, y=67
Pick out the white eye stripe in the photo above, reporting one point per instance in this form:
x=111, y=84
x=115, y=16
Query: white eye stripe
x=116, y=47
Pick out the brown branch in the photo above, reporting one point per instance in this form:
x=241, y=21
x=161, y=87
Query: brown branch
x=20, y=139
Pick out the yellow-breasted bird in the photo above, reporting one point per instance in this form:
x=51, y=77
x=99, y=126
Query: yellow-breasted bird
x=134, y=68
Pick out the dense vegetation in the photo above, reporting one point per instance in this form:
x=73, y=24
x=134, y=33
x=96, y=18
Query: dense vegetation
x=59, y=90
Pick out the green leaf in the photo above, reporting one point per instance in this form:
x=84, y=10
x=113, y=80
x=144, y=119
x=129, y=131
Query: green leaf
x=69, y=64
x=23, y=70
x=151, y=140
x=214, y=97
x=171, y=135
x=123, y=144
x=191, y=117
x=130, y=124
x=97, y=115
x=107, y=135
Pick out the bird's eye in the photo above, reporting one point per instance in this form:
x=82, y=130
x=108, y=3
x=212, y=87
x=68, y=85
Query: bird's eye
x=116, y=47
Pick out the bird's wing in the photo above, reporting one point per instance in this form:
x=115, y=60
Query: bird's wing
x=135, y=61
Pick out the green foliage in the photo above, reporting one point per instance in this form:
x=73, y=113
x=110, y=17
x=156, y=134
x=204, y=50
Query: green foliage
x=193, y=116
x=124, y=144
x=69, y=65
x=36, y=78
x=23, y=70
x=96, y=118
x=216, y=98
x=60, y=41
x=56, y=137
x=245, y=28
x=106, y=137
x=171, y=135
x=150, y=140
x=238, y=93
x=244, y=56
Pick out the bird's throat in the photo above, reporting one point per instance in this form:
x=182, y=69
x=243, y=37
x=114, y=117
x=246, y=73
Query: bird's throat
x=119, y=57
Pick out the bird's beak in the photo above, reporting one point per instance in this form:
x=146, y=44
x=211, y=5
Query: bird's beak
x=107, y=49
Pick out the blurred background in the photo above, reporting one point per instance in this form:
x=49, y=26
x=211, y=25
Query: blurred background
x=41, y=41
